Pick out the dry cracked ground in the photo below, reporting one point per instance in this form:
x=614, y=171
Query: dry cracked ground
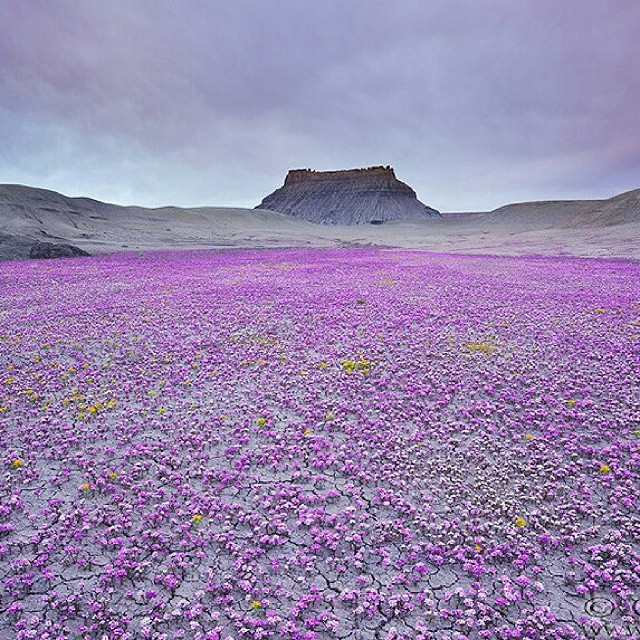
x=357, y=444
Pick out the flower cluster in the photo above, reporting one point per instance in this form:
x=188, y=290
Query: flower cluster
x=300, y=445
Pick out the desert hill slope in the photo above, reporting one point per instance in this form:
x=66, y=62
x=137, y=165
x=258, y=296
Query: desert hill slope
x=621, y=209
x=567, y=214
x=29, y=215
x=39, y=222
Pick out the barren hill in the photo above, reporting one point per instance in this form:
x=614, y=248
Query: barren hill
x=41, y=223
x=354, y=196
x=568, y=214
x=29, y=216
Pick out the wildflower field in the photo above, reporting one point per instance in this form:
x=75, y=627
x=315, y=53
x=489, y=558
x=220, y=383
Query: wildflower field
x=300, y=445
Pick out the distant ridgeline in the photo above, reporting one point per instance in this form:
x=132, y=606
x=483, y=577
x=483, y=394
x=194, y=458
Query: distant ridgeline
x=352, y=196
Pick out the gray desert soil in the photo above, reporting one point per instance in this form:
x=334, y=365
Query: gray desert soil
x=596, y=228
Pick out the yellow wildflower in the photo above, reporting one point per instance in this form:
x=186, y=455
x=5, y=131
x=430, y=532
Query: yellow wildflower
x=196, y=519
x=261, y=421
x=17, y=463
x=528, y=436
x=483, y=347
x=520, y=522
x=605, y=468
x=349, y=365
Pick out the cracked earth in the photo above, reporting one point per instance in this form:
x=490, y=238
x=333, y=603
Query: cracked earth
x=356, y=444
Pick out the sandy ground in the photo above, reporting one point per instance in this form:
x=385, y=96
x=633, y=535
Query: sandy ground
x=474, y=236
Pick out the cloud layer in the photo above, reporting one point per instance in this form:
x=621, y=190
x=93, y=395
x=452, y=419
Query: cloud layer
x=476, y=103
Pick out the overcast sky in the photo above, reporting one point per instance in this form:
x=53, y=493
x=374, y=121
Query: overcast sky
x=475, y=103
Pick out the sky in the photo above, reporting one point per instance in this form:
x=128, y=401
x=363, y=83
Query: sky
x=475, y=103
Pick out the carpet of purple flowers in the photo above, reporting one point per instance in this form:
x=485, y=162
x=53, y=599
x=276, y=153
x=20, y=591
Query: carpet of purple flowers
x=301, y=445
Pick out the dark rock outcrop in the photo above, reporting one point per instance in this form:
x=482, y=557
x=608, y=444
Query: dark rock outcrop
x=13, y=247
x=354, y=196
x=45, y=250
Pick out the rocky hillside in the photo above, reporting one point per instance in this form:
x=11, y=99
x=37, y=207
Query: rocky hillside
x=354, y=196
x=623, y=209
x=38, y=223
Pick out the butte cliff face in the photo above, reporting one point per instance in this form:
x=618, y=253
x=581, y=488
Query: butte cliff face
x=354, y=196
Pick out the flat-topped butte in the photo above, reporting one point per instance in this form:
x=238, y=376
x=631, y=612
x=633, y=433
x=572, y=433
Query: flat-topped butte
x=347, y=197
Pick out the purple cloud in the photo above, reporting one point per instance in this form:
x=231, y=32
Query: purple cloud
x=475, y=104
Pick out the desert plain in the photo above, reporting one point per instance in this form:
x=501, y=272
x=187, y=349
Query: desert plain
x=355, y=442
